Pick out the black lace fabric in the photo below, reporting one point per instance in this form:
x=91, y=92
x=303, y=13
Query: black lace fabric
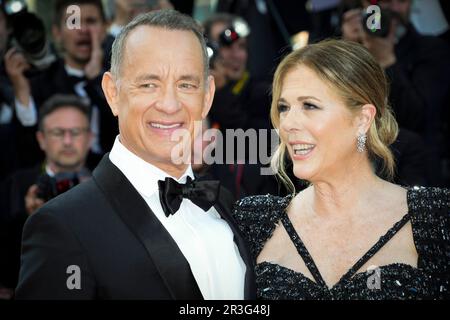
x=429, y=213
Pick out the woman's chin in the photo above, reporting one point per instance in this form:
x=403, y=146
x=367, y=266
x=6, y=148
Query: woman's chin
x=302, y=173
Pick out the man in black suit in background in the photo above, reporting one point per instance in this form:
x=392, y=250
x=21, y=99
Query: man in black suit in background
x=65, y=136
x=118, y=237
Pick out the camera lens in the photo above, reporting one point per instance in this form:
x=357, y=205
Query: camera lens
x=29, y=32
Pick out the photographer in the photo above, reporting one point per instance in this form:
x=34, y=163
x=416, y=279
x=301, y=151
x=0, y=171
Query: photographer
x=241, y=101
x=7, y=114
x=78, y=72
x=418, y=69
x=65, y=136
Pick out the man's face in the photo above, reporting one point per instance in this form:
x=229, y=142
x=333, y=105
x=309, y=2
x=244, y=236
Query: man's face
x=160, y=90
x=65, y=138
x=234, y=57
x=77, y=43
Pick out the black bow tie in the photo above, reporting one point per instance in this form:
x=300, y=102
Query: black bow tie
x=203, y=193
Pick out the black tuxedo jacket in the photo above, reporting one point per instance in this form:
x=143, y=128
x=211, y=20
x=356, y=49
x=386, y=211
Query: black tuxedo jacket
x=106, y=229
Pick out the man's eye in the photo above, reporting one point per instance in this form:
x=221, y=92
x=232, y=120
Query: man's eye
x=188, y=86
x=147, y=85
x=282, y=108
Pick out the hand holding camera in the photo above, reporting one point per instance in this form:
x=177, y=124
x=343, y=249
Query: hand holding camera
x=16, y=65
x=382, y=48
x=358, y=25
x=47, y=187
x=32, y=200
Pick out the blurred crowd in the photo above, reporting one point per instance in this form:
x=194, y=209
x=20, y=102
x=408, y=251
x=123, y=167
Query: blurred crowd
x=55, y=124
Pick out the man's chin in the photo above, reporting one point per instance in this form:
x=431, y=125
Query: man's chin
x=66, y=165
x=81, y=58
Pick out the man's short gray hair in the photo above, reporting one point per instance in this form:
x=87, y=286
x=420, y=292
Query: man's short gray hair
x=167, y=19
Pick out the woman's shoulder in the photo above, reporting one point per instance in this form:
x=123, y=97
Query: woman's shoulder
x=429, y=208
x=426, y=201
x=257, y=217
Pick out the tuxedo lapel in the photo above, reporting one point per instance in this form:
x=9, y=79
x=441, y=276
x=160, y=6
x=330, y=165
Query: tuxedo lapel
x=134, y=211
x=224, y=207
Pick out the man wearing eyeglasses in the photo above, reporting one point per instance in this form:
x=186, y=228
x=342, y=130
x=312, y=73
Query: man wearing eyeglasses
x=65, y=136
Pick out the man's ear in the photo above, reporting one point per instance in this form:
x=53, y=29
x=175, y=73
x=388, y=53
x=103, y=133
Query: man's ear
x=111, y=91
x=41, y=140
x=366, y=117
x=209, y=96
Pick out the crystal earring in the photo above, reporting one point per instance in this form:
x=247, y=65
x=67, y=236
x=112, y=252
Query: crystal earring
x=361, y=142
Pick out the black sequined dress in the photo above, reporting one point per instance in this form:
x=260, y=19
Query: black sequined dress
x=429, y=213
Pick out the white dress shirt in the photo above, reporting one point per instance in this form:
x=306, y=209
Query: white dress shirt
x=205, y=239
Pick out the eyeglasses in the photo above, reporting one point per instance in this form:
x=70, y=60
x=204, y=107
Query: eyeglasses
x=60, y=133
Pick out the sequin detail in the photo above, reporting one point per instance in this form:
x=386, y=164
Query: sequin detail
x=429, y=213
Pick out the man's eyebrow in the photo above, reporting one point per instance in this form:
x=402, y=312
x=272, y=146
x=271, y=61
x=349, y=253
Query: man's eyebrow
x=150, y=76
x=147, y=76
x=190, y=77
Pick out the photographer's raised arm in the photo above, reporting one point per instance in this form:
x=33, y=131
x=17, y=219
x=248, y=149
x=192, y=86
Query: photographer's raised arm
x=16, y=65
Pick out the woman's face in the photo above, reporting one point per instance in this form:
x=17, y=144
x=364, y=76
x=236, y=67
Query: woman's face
x=317, y=128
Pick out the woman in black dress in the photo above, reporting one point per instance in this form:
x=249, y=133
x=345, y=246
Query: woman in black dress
x=349, y=234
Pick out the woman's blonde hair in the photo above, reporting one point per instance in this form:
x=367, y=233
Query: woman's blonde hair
x=358, y=79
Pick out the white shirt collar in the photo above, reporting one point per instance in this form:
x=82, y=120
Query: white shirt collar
x=142, y=175
x=74, y=72
x=49, y=171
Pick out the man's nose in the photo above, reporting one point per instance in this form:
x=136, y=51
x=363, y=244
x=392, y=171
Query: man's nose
x=169, y=102
x=67, y=138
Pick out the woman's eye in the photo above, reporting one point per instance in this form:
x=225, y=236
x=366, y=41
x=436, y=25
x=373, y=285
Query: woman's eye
x=309, y=106
x=282, y=108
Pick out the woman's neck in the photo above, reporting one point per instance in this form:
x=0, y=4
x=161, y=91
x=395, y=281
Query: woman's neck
x=345, y=192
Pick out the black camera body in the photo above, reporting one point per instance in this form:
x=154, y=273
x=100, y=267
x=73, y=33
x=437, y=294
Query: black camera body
x=385, y=21
x=226, y=38
x=50, y=187
x=236, y=30
x=28, y=34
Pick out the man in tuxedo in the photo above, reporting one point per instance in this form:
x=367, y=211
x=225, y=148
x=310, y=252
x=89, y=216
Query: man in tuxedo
x=143, y=227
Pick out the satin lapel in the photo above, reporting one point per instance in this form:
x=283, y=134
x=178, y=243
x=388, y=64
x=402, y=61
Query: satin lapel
x=223, y=209
x=134, y=211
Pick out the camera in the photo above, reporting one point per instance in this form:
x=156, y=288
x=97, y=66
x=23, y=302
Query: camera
x=50, y=187
x=28, y=34
x=385, y=20
x=236, y=30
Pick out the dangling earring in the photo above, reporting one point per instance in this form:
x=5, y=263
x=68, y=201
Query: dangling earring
x=361, y=142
